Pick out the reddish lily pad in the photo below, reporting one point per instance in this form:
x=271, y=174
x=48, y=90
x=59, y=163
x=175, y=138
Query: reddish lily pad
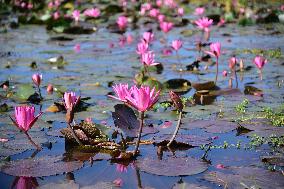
x=212, y=126
x=247, y=177
x=41, y=166
x=172, y=166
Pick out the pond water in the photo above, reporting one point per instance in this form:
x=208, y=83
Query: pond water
x=236, y=158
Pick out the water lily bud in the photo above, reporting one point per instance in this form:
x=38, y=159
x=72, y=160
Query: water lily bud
x=69, y=115
x=49, y=89
x=37, y=79
x=176, y=100
x=242, y=66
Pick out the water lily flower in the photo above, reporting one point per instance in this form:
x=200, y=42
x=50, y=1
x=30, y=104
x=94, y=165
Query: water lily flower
x=204, y=23
x=77, y=48
x=56, y=15
x=49, y=89
x=221, y=22
x=154, y=13
x=129, y=38
x=70, y=100
x=147, y=6
x=215, y=51
x=180, y=11
x=148, y=37
x=225, y=73
x=220, y=166
x=142, y=47
x=176, y=44
x=167, y=51
x=159, y=3
x=37, y=79
x=30, y=6
x=76, y=15
x=166, y=26
x=232, y=62
x=93, y=12
x=25, y=119
x=148, y=58
x=199, y=11
x=260, y=61
x=118, y=182
x=161, y=18
x=121, y=90
x=142, y=98
x=25, y=183
x=170, y=3
x=121, y=168
x=122, y=22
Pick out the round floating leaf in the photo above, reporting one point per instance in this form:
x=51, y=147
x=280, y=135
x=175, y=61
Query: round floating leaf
x=70, y=184
x=21, y=141
x=247, y=177
x=9, y=152
x=102, y=185
x=172, y=166
x=204, y=86
x=24, y=91
x=212, y=126
x=39, y=167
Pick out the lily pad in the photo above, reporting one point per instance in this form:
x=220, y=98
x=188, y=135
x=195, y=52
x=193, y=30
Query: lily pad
x=191, y=140
x=24, y=91
x=70, y=184
x=273, y=160
x=204, y=86
x=172, y=166
x=212, y=126
x=102, y=185
x=39, y=167
x=185, y=185
x=247, y=177
x=179, y=85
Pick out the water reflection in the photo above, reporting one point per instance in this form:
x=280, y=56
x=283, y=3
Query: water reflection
x=24, y=183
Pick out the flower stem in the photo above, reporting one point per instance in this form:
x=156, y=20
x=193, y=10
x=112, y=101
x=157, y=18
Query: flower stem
x=32, y=142
x=39, y=92
x=177, y=128
x=141, y=117
x=139, y=183
x=179, y=62
x=260, y=74
x=217, y=70
x=236, y=78
x=74, y=134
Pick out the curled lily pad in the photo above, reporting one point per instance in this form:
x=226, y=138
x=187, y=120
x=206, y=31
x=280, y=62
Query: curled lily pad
x=179, y=85
x=247, y=177
x=204, y=86
x=251, y=90
x=39, y=167
x=172, y=166
x=273, y=160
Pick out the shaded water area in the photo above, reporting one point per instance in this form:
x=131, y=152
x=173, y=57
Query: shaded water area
x=246, y=149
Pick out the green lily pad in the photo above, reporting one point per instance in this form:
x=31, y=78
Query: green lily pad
x=24, y=91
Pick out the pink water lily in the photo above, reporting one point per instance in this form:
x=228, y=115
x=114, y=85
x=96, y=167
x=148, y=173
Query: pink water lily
x=199, y=11
x=70, y=100
x=148, y=37
x=225, y=73
x=148, y=59
x=204, y=23
x=25, y=118
x=122, y=22
x=166, y=26
x=118, y=182
x=37, y=79
x=142, y=98
x=161, y=18
x=121, y=90
x=121, y=168
x=154, y=13
x=232, y=63
x=25, y=183
x=259, y=61
x=176, y=44
x=215, y=51
x=76, y=15
x=93, y=12
x=180, y=11
x=142, y=47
